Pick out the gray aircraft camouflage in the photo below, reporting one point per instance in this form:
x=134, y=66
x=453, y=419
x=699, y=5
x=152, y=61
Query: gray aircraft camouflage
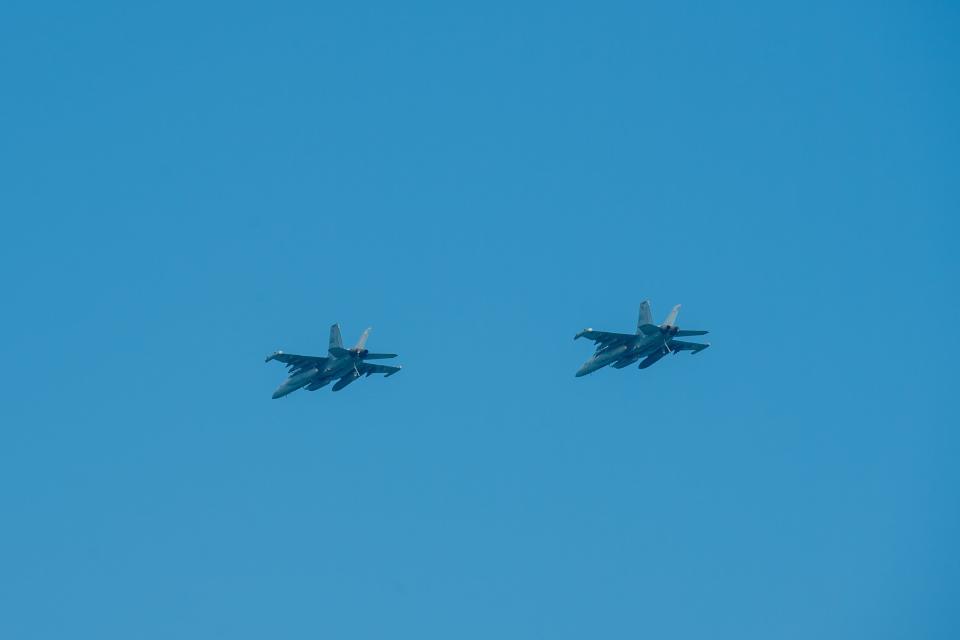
x=651, y=342
x=342, y=365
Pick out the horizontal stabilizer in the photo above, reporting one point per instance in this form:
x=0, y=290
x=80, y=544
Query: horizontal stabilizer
x=648, y=329
x=691, y=332
x=379, y=356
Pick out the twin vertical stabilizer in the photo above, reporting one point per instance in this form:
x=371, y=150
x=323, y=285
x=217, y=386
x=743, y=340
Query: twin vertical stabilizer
x=671, y=320
x=336, y=342
x=646, y=316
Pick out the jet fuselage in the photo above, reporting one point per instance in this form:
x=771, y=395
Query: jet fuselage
x=343, y=368
x=625, y=353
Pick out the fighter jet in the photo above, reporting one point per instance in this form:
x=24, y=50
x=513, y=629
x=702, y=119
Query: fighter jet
x=650, y=342
x=343, y=365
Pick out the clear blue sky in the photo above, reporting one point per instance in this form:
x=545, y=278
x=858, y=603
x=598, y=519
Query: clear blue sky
x=186, y=188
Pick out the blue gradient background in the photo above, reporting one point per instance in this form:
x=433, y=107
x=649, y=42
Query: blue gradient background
x=188, y=187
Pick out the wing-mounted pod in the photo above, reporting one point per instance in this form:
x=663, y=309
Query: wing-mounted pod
x=345, y=380
x=652, y=358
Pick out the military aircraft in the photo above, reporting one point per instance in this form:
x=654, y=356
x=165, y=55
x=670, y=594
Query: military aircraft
x=650, y=342
x=344, y=365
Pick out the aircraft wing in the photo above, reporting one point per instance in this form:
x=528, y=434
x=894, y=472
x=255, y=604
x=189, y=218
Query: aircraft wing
x=606, y=338
x=370, y=369
x=293, y=361
x=681, y=345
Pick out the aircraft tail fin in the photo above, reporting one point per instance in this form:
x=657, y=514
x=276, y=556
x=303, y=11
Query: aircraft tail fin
x=363, y=339
x=336, y=342
x=646, y=316
x=672, y=317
